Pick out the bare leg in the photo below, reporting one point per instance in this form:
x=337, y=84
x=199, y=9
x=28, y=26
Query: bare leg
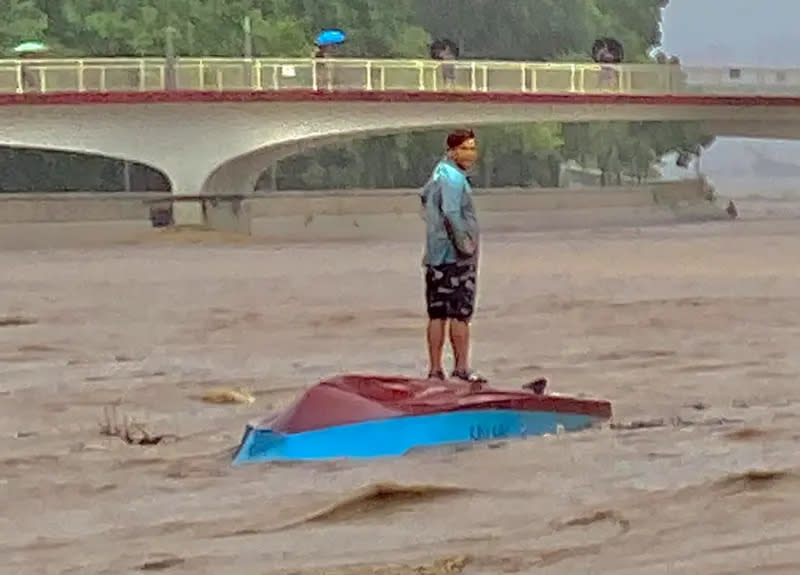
x=459, y=339
x=436, y=329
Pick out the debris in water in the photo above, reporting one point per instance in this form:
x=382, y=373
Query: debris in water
x=537, y=386
x=678, y=422
x=131, y=432
x=746, y=434
x=699, y=406
x=639, y=424
x=228, y=395
x=733, y=213
x=16, y=321
x=441, y=566
x=161, y=564
x=713, y=422
x=754, y=480
x=596, y=517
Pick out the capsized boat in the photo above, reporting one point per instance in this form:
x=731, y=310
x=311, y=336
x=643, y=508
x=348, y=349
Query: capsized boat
x=362, y=416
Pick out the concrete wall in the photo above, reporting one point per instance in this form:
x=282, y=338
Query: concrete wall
x=384, y=214
x=373, y=214
x=99, y=206
x=74, y=207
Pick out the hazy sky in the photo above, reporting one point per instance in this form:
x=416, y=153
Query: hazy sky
x=743, y=32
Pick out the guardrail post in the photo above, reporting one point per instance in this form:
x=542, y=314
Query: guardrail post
x=314, y=79
x=485, y=70
x=383, y=78
x=257, y=73
x=473, y=80
x=523, y=81
x=20, y=78
x=421, y=76
x=572, y=77
x=142, y=75
x=275, y=78
x=102, y=78
x=81, y=81
x=672, y=78
x=202, y=67
x=534, y=80
x=368, y=71
x=247, y=69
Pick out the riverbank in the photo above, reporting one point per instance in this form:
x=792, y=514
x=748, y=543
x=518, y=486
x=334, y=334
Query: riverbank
x=55, y=220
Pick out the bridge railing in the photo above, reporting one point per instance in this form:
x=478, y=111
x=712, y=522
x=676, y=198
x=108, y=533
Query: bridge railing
x=224, y=74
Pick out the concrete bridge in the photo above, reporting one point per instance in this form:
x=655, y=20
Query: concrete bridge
x=212, y=126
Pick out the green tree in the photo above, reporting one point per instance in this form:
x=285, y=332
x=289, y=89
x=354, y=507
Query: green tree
x=511, y=29
x=22, y=20
x=375, y=28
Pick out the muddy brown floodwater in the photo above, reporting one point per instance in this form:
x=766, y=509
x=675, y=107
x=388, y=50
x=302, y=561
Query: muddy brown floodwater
x=695, y=325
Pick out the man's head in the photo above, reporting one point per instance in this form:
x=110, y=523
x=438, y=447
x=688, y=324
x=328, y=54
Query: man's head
x=462, y=148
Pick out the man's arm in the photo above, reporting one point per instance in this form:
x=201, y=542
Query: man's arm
x=452, y=192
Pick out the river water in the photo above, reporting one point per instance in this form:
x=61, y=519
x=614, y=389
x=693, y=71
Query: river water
x=692, y=331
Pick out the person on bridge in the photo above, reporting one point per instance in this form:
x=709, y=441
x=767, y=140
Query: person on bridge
x=451, y=256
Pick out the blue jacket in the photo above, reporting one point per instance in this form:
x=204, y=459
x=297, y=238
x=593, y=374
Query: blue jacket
x=449, y=216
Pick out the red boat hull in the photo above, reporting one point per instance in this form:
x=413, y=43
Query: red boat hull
x=353, y=398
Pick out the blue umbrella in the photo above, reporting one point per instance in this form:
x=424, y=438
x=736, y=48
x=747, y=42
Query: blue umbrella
x=331, y=36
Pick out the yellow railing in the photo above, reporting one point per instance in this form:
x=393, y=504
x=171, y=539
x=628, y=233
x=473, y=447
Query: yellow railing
x=270, y=74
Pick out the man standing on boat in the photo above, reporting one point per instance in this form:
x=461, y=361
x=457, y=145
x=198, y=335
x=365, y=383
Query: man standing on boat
x=451, y=256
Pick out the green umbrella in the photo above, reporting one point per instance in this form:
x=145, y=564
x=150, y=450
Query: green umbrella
x=27, y=47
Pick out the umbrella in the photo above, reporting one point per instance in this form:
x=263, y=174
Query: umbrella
x=607, y=51
x=442, y=45
x=27, y=47
x=331, y=36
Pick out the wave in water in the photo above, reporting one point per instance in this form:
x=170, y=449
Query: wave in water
x=379, y=499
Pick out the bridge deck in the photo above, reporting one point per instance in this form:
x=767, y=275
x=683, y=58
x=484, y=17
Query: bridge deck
x=223, y=75
x=242, y=96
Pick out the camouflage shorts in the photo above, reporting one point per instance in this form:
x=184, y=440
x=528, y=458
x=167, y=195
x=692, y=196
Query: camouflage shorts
x=450, y=290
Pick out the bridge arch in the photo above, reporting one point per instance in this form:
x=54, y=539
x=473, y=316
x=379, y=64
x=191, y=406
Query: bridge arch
x=75, y=171
x=222, y=143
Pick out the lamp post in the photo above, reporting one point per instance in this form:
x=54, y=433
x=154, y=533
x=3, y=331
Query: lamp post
x=248, y=52
x=248, y=38
x=170, y=76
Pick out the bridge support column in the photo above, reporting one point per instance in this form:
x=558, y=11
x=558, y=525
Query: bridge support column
x=185, y=182
x=215, y=200
x=185, y=214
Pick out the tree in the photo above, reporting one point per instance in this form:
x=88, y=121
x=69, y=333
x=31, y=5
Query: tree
x=511, y=29
x=22, y=20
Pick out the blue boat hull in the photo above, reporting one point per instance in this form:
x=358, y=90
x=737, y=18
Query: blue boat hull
x=396, y=436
